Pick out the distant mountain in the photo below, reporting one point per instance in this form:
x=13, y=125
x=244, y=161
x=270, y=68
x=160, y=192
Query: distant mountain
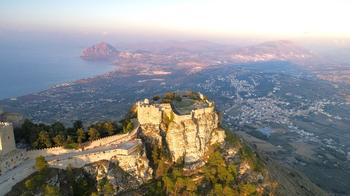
x=277, y=50
x=100, y=51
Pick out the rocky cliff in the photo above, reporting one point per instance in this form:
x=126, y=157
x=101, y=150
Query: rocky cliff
x=186, y=136
x=185, y=151
x=191, y=138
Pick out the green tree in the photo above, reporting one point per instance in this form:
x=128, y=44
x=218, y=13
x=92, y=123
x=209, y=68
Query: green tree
x=232, y=168
x=29, y=184
x=93, y=134
x=224, y=175
x=109, y=127
x=43, y=140
x=80, y=136
x=59, y=139
x=218, y=189
x=57, y=127
x=29, y=131
x=108, y=189
x=77, y=125
x=229, y=191
x=101, y=183
x=127, y=126
x=41, y=164
x=168, y=184
x=156, y=98
x=247, y=189
x=190, y=185
x=69, y=140
x=51, y=190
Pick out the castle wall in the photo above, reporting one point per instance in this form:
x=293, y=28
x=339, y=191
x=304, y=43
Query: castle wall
x=81, y=160
x=114, y=139
x=12, y=159
x=7, y=139
x=198, y=112
x=180, y=118
x=59, y=157
x=32, y=154
x=107, y=140
x=166, y=108
x=149, y=114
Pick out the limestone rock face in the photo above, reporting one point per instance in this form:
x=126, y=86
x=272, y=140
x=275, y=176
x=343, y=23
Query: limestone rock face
x=191, y=138
x=123, y=173
x=183, y=132
x=137, y=166
x=120, y=179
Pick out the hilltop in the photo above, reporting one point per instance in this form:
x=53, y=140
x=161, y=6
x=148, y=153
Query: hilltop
x=173, y=144
x=100, y=51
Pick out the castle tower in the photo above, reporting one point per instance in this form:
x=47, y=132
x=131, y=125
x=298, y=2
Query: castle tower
x=7, y=139
x=148, y=113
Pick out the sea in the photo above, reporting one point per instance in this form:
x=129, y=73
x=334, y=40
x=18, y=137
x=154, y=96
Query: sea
x=29, y=67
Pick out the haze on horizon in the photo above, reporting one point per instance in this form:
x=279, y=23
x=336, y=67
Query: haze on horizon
x=277, y=19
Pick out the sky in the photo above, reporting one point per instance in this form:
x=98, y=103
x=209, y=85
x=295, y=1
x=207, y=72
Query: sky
x=216, y=18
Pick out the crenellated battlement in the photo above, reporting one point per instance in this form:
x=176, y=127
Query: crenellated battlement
x=148, y=113
x=152, y=113
x=4, y=124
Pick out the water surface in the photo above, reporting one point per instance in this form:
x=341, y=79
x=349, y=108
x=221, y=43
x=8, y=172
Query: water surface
x=27, y=67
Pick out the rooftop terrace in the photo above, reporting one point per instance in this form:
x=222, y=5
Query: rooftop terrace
x=186, y=105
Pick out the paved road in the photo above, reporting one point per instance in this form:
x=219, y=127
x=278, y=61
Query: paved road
x=14, y=176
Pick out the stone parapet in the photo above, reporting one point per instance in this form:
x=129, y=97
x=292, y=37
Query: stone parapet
x=11, y=160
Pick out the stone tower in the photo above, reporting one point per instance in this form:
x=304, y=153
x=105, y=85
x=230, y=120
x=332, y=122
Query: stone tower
x=7, y=139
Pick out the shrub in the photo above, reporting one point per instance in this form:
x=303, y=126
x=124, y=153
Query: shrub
x=247, y=189
x=127, y=126
x=108, y=189
x=41, y=164
x=29, y=184
x=231, y=138
x=93, y=134
x=156, y=98
x=51, y=190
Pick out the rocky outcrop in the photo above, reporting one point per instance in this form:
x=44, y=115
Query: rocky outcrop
x=124, y=174
x=184, y=136
x=120, y=179
x=100, y=51
x=191, y=138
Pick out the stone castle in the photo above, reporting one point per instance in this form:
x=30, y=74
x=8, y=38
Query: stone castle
x=187, y=136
